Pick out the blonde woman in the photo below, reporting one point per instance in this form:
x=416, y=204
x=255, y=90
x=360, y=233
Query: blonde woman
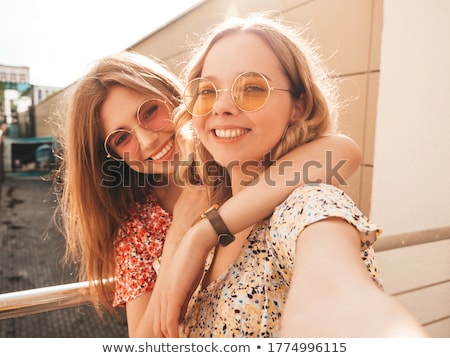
x=308, y=269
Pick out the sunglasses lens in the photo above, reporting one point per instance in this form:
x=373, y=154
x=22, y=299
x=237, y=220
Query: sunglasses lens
x=250, y=91
x=200, y=96
x=153, y=114
x=121, y=144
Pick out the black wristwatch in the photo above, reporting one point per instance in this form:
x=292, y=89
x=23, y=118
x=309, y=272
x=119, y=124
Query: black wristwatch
x=224, y=235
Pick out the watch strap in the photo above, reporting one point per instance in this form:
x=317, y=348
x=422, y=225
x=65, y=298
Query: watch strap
x=225, y=237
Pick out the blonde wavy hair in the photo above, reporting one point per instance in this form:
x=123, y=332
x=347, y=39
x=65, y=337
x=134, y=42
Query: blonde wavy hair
x=96, y=193
x=310, y=82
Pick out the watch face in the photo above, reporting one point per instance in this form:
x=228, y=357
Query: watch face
x=225, y=239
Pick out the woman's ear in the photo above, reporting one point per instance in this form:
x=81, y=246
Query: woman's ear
x=297, y=108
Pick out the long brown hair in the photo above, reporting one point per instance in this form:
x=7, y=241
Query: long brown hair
x=96, y=193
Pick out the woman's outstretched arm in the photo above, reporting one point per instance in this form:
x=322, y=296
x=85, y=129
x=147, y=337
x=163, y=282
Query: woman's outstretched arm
x=332, y=294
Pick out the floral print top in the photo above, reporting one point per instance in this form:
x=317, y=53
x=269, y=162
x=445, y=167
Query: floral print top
x=247, y=299
x=138, y=244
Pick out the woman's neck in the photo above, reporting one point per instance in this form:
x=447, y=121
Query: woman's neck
x=241, y=177
x=168, y=194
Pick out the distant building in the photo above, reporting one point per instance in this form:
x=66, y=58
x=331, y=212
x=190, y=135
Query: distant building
x=41, y=93
x=18, y=98
x=24, y=148
x=14, y=74
x=15, y=93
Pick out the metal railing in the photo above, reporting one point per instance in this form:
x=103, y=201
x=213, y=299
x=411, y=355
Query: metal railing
x=39, y=300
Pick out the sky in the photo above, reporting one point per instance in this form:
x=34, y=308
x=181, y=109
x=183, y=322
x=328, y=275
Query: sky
x=59, y=39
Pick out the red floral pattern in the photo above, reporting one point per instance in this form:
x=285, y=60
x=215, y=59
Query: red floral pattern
x=138, y=244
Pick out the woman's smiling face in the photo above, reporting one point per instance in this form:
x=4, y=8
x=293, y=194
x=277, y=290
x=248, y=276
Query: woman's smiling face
x=152, y=149
x=227, y=132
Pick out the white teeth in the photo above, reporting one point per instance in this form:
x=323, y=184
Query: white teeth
x=164, y=151
x=229, y=133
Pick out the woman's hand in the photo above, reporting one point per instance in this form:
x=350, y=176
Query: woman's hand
x=178, y=279
x=192, y=201
x=180, y=270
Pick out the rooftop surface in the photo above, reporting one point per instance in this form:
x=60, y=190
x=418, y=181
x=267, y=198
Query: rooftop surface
x=30, y=257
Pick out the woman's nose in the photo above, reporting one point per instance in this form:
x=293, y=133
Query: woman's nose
x=146, y=138
x=224, y=103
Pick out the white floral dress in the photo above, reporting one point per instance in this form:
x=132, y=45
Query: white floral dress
x=247, y=299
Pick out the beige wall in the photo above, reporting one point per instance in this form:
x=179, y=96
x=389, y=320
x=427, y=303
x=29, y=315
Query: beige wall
x=411, y=178
x=410, y=190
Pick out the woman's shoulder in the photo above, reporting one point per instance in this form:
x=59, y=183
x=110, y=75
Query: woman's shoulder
x=313, y=198
x=319, y=190
x=311, y=203
x=147, y=208
x=146, y=216
x=305, y=202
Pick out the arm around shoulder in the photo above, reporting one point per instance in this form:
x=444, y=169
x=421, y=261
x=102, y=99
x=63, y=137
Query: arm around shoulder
x=331, y=159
